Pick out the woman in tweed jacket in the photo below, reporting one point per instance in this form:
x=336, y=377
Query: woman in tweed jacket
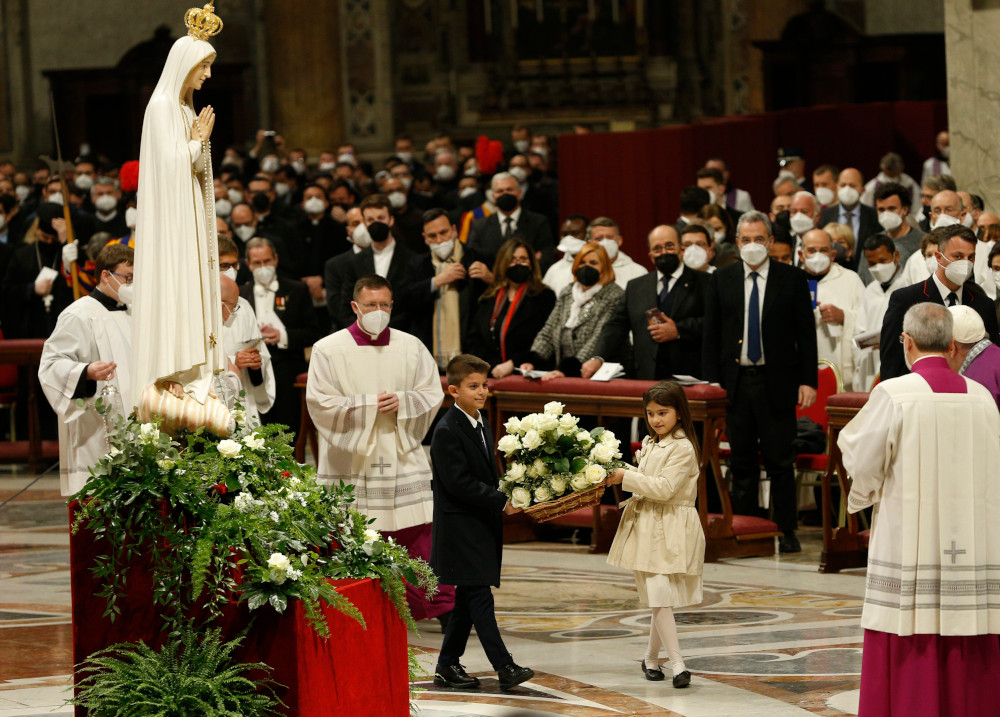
x=571, y=332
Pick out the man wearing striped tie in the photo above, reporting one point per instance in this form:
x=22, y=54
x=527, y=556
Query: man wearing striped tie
x=760, y=345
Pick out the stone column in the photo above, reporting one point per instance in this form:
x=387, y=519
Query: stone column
x=304, y=60
x=971, y=29
x=366, y=67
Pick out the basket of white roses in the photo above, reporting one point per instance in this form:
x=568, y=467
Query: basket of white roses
x=553, y=466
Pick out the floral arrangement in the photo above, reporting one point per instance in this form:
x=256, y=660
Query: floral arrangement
x=549, y=456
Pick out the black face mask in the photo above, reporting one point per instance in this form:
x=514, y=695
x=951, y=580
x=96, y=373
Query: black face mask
x=587, y=275
x=378, y=231
x=260, y=202
x=536, y=176
x=506, y=203
x=667, y=264
x=519, y=273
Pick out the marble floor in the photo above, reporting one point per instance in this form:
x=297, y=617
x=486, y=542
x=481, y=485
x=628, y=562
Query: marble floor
x=773, y=636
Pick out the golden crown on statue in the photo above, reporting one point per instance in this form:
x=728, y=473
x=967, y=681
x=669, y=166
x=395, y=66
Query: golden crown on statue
x=204, y=23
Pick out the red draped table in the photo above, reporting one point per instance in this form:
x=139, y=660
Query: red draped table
x=356, y=671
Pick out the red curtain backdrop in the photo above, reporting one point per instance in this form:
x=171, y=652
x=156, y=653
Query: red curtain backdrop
x=636, y=177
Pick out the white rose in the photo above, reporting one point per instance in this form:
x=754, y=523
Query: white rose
x=608, y=438
x=277, y=577
x=554, y=408
x=558, y=485
x=244, y=502
x=520, y=498
x=515, y=473
x=584, y=437
x=529, y=422
x=229, y=448
x=532, y=440
x=113, y=452
x=542, y=494
x=279, y=561
x=541, y=467
x=513, y=425
x=594, y=473
x=149, y=433
x=372, y=536
x=567, y=424
x=165, y=464
x=254, y=441
x=509, y=445
x=602, y=453
x=579, y=482
x=504, y=485
x=547, y=423
x=240, y=416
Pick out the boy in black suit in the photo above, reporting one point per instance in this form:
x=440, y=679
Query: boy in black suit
x=467, y=533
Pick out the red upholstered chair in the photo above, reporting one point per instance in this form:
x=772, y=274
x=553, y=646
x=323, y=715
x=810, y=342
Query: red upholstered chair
x=829, y=383
x=8, y=392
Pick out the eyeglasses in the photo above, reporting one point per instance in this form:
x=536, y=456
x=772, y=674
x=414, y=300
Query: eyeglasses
x=901, y=338
x=127, y=279
x=225, y=265
x=233, y=308
x=386, y=306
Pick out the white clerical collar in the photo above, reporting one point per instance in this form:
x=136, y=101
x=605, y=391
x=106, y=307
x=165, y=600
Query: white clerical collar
x=476, y=422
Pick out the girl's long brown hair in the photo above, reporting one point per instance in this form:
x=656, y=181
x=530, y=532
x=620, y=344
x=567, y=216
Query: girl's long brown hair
x=671, y=395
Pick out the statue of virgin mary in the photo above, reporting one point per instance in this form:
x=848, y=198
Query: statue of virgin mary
x=177, y=316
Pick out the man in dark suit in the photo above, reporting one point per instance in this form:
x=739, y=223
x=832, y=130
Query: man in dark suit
x=288, y=324
x=467, y=530
x=335, y=271
x=511, y=220
x=951, y=284
x=672, y=346
x=760, y=344
x=437, y=290
x=862, y=219
x=385, y=257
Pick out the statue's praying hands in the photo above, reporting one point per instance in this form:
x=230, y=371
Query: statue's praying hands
x=201, y=128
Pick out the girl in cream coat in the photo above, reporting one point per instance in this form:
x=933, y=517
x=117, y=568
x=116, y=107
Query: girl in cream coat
x=660, y=537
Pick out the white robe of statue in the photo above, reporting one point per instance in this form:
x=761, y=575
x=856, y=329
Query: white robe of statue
x=177, y=327
x=259, y=399
x=874, y=302
x=379, y=453
x=843, y=288
x=86, y=332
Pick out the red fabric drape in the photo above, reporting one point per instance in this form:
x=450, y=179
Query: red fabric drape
x=636, y=177
x=356, y=671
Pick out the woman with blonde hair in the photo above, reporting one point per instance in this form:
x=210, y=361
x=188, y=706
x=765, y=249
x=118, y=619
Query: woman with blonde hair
x=844, y=236
x=572, y=329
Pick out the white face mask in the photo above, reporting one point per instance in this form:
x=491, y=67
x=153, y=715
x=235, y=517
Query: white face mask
x=230, y=272
x=801, y=223
x=281, y=188
x=374, y=322
x=407, y=182
x=397, y=200
x=405, y=157
x=56, y=198
x=695, y=257
x=126, y=293
x=611, y=247
x=519, y=172
x=957, y=272
x=753, y=254
x=443, y=250
x=223, y=208
x=269, y=164
x=467, y=192
x=228, y=322
x=883, y=272
x=817, y=263
x=491, y=197
x=235, y=196
x=245, y=232
x=890, y=221
x=84, y=182
x=943, y=220
x=314, y=205
x=263, y=275
x=522, y=146
x=848, y=196
x=361, y=237
x=299, y=165
x=105, y=203
x=719, y=236
x=445, y=173
x=931, y=263
x=327, y=166
x=131, y=215
x=570, y=245
x=825, y=195
x=21, y=191
x=348, y=158
x=967, y=220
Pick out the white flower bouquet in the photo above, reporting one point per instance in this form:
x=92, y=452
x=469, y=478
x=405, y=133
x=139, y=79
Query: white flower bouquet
x=551, y=461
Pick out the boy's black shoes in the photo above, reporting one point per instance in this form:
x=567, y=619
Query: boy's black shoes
x=655, y=674
x=454, y=676
x=683, y=679
x=511, y=675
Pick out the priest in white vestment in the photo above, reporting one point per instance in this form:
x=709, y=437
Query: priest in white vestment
x=372, y=393
x=925, y=451
x=246, y=351
x=837, y=296
x=87, y=350
x=887, y=272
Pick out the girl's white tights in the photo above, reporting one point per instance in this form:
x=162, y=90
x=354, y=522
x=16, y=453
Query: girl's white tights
x=663, y=631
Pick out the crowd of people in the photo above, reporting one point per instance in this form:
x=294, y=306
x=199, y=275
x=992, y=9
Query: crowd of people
x=481, y=259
